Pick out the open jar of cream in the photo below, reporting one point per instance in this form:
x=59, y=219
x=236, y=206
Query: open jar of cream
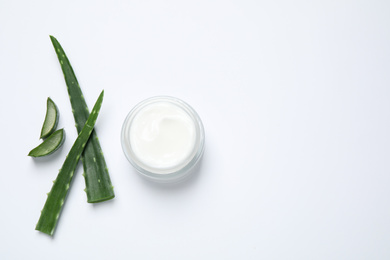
x=163, y=138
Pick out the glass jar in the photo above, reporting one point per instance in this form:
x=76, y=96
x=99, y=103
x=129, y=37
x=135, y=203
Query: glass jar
x=163, y=138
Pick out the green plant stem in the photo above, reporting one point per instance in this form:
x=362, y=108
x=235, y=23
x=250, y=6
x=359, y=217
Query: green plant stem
x=97, y=179
x=57, y=195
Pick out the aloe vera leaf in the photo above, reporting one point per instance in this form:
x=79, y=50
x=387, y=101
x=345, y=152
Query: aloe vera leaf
x=50, y=145
x=97, y=179
x=57, y=195
x=51, y=119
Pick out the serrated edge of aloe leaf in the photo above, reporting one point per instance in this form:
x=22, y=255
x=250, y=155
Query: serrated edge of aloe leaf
x=56, y=197
x=54, y=126
x=94, y=164
x=36, y=151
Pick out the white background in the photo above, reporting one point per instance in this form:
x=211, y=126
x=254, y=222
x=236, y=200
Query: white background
x=294, y=97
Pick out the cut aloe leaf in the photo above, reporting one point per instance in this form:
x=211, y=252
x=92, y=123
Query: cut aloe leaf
x=57, y=195
x=97, y=179
x=50, y=145
x=51, y=119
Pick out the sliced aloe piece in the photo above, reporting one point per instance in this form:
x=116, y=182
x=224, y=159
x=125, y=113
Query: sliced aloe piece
x=50, y=145
x=51, y=119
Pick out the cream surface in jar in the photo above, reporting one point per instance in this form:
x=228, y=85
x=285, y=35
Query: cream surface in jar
x=163, y=138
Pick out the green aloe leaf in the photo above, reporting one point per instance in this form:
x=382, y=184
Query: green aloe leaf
x=97, y=179
x=57, y=195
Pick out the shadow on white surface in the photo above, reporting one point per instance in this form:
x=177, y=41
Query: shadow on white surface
x=187, y=182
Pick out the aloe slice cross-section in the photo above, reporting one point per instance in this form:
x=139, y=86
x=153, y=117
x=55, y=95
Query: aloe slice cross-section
x=97, y=179
x=57, y=195
x=51, y=119
x=50, y=145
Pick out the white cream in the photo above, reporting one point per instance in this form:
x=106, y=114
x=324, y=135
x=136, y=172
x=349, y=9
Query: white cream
x=162, y=136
